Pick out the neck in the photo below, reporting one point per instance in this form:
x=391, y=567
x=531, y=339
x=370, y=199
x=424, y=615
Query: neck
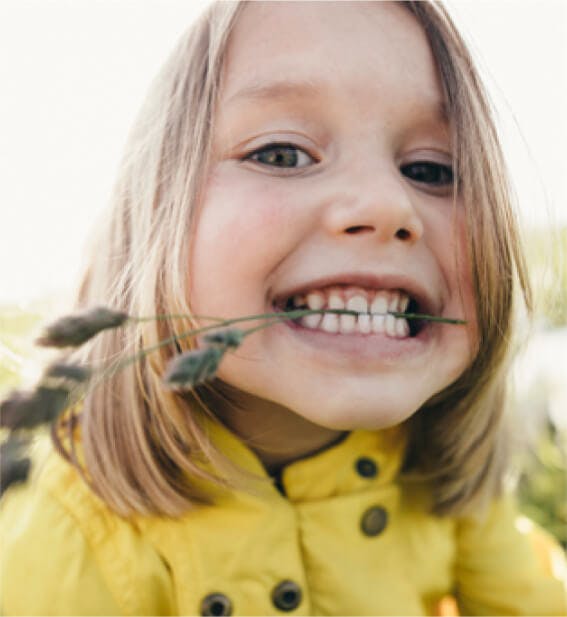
x=276, y=434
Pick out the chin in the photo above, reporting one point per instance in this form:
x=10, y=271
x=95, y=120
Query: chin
x=360, y=413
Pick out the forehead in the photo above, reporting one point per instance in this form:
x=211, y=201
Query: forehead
x=309, y=50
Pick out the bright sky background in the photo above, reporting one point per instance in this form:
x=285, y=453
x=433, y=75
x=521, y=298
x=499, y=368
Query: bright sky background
x=73, y=74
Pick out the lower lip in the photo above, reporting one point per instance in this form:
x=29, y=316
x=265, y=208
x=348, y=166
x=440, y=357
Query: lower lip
x=365, y=347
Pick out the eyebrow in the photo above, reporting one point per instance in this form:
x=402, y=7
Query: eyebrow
x=282, y=89
x=293, y=88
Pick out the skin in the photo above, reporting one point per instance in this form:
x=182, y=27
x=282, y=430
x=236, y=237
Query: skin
x=345, y=207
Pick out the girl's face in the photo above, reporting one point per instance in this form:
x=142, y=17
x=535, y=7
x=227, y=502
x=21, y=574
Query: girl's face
x=331, y=179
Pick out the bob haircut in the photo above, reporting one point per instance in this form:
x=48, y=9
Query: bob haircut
x=143, y=448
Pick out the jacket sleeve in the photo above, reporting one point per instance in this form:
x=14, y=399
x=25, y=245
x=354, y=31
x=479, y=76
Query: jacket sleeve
x=499, y=571
x=47, y=566
x=60, y=561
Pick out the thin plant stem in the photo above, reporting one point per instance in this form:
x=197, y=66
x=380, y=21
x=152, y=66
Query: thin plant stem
x=279, y=316
x=172, y=316
x=449, y=320
x=224, y=321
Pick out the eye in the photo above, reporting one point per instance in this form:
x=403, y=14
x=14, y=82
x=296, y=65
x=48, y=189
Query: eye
x=280, y=155
x=429, y=173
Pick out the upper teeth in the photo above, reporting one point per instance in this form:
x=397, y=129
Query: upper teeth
x=373, y=310
x=378, y=302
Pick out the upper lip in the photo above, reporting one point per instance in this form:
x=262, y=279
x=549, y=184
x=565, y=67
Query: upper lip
x=427, y=303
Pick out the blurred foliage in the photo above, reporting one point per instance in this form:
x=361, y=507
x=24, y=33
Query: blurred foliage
x=18, y=354
x=546, y=251
x=542, y=487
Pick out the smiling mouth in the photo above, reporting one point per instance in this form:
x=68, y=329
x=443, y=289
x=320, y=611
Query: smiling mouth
x=377, y=312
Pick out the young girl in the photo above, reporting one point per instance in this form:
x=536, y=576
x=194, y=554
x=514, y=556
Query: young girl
x=325, y=155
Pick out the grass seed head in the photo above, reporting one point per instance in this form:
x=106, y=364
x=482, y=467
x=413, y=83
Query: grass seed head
x=14, y=466
x=26, y=410
x=193, y=367
x=228, y=339
x=74, y=330
x=73, y=372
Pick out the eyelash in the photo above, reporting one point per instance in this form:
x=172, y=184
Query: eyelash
x=442, y=174
x=276, y=146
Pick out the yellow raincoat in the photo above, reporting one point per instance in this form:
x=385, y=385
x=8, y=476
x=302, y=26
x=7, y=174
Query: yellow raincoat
x=339, y=536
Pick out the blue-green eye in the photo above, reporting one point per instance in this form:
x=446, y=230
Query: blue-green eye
x=280, y=155
x=429, y=173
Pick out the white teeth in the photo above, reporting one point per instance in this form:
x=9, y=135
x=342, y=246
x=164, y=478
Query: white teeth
x=335, y=301
x=402, y=328
x=311, y=321
x=390, y=325
x=370, y=319
x=347, y=324
x=380, y=303
x=358, y=304
x=394, y=303
x=365, y=323
x=330, y=323
x=378, y=325
x=315, y=300
x=336, y=323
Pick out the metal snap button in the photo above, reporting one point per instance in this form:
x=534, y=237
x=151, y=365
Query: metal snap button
x=286, y=595
x=374, y=521
x=216, y=604
x=366, y=467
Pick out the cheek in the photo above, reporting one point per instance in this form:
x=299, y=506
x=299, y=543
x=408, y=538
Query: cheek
x=242, y=233
x=447, y=241
x=243, y=208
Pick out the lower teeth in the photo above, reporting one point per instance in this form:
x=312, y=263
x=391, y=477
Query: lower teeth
x=389, y=325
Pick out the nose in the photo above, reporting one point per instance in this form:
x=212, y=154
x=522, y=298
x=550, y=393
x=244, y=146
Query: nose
x=374, y=203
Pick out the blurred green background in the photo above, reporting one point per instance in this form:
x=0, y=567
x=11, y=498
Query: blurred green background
x=540, y=409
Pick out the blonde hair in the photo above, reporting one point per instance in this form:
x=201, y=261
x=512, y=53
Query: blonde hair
x=140, y=443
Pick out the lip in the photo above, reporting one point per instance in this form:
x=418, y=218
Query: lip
x=426, y=301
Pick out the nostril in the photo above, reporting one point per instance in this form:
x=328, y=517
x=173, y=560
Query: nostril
x=357, y=228
x=402, y=234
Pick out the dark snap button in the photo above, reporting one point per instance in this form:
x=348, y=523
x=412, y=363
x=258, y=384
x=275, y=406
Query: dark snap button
x=374, y=521
x=216, y=604
x=286, y=596
x=366, y=467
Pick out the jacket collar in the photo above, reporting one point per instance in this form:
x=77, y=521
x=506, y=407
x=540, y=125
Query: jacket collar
x=328, y=473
